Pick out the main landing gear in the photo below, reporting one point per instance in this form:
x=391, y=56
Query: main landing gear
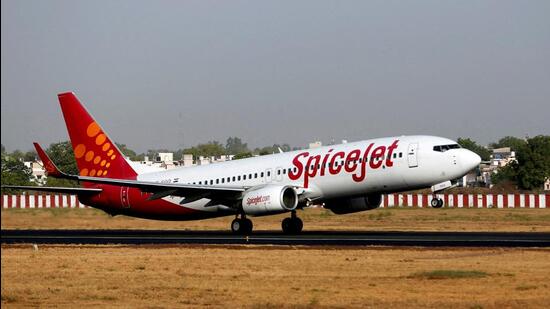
x=242, y=225
x=292, y=225
x=436, y=202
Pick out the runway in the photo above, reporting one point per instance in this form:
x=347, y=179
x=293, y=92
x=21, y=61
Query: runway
x=308, y=238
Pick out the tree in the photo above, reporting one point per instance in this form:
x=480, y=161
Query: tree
x=127, y=152
x=212, y=148
x=243, y=155
x=14, y=172
x=481, y=151
x=509, y=141
x=30, y=156
x=533, y=162
x=63, y=156
x=234, y=145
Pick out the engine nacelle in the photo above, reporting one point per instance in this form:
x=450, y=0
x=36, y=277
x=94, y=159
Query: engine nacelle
x=270, y=199
x=354, y=204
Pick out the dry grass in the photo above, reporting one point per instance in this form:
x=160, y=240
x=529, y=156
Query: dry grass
x=273, y=277
x=404, y=219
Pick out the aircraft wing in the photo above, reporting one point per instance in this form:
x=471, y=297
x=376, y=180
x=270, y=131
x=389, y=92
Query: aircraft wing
x=159, y=190
x=165, y=189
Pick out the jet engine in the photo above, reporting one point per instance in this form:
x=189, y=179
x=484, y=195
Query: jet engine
x=354, y=204
x=269, y=199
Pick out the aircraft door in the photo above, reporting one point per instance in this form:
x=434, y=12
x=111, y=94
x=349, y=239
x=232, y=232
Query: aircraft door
x=124, y=200
x=279, y=174
x=412, y=155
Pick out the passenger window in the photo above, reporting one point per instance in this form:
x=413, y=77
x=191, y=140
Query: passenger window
x=223, y=180
x=233, y=178
x=401, y=155
x=262, y=174
x=217, y=181
x=239, y=178
x=284, y=171
x=278, y=172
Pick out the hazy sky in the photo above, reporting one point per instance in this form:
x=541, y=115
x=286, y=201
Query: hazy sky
x=171, y=74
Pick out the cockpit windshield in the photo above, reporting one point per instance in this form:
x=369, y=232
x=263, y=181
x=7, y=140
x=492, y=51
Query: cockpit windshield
x=443, y=148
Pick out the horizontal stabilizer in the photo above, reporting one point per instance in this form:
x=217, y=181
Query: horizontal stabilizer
x=49, y=166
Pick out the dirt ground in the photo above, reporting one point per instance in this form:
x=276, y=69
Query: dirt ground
x=273, y=277
x=402, y=219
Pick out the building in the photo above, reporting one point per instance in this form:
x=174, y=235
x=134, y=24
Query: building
x=315, y=144
x=38, y=172
x=502, y=156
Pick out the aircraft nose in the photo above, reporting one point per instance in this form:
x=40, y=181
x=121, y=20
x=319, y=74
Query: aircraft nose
x=470, y=159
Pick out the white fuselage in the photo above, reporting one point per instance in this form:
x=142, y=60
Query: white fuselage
x=372, y=166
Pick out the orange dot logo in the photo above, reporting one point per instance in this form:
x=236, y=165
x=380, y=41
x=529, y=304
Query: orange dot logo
x=103, y=163
x=89, y=156
x=105, y=173
x=92, y=173
x=106, y=146
x=79, y=151
x=100, y=139
x=93, y=129
x=84, y=172
x=99, y=173
x=97, y=159
x=108, y=164
x=113, y=157
x=110, y=152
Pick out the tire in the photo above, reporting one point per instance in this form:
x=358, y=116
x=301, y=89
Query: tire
x=434, y=202
x=298, y=225
x=287, y=226
x=439, y=203
x=236, y=226
x=247, y=226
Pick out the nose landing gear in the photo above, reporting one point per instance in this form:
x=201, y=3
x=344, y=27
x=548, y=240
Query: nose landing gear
x=292, y=225
x=436, y=202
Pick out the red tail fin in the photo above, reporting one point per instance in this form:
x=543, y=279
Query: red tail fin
x=95, y=153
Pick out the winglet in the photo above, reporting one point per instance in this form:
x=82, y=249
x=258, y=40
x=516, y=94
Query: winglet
x=50, y=167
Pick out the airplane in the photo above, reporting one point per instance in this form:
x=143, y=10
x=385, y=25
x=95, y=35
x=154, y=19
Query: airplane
x=344, y=178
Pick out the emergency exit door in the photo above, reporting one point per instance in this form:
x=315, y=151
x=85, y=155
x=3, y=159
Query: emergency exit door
x=412, y=155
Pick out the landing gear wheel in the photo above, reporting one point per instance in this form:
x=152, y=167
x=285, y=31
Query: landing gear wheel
x=241, y=226
x=292, y=225
x=436, y=203
x=298, y=225
x=247, y=226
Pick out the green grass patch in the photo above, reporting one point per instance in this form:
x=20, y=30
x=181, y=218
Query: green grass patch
x=519, y=217
x=448, y=274
x=526, y=287
x=8, y=298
